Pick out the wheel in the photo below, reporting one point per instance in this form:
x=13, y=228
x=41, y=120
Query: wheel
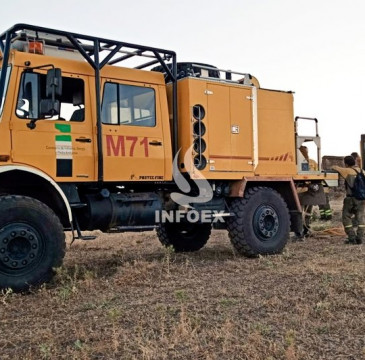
x=32, y=242
x=184, y=237
x=260, y=224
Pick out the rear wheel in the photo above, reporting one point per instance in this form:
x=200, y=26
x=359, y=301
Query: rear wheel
x=260, y=224
x=184, y=237
x=32, y=242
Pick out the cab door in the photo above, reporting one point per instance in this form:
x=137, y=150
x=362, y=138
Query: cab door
x=133, y=145
x=62, y=146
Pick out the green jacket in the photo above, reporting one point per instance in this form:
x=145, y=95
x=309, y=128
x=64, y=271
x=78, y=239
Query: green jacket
x=349, y=174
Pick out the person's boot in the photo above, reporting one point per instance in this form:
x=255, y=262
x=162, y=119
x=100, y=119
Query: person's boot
x=350, y=241
x=298, y=237
x=306, y=231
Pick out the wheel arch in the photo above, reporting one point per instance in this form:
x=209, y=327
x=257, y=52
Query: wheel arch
x=285, y=186
x=26, y=181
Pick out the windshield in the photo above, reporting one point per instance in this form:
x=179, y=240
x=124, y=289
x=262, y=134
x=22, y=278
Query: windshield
x=5, y=88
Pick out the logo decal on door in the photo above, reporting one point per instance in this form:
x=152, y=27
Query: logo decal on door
x=63, y=151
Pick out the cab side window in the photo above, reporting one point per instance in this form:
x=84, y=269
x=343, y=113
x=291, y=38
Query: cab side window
x=128, y=105
x=32, y=91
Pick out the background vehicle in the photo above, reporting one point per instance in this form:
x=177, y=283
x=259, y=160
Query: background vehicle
x=86, y=145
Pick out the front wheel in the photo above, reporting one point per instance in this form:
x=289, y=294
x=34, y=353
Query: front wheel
x=32, y=242
x=260, y=224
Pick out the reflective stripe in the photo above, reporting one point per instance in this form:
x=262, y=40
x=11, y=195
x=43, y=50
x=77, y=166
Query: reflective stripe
x=361, y=225
x=328, y=212
x=349, y=226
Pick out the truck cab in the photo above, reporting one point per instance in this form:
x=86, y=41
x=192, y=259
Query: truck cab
x=134, y=119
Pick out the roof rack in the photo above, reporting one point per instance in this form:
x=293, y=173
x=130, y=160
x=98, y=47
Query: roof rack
x=90, y=47
x=98, y=52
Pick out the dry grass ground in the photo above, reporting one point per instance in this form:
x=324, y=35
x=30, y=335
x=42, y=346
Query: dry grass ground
x=123, y=296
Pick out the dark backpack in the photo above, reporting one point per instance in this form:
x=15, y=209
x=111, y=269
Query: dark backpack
x=358, y=189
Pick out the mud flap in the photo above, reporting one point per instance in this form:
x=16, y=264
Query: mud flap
x=296, y=221
x=313, y=196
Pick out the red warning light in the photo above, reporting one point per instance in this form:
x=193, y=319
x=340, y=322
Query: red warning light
x=36, y=47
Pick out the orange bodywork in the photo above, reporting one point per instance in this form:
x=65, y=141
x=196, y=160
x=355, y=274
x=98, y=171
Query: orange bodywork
x=249, y=131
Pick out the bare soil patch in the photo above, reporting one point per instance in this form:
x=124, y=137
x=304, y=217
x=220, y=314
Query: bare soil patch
x=123, y=296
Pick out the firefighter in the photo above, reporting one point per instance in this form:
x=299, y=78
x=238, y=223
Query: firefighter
x=311, y=163
x=352, y=206
x=307, y=209
x=357, y=158
x=325, y=211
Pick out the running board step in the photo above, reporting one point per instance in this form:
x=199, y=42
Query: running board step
x=78, y=231
x=83, y=237
x=77, y=205
x=136, y=228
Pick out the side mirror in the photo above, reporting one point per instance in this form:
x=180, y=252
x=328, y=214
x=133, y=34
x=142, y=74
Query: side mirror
x=54, y=83
x=49, y=107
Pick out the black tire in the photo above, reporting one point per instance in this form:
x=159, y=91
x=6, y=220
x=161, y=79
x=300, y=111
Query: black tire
x=184, y=237
x=32, y=242
x=261, y=222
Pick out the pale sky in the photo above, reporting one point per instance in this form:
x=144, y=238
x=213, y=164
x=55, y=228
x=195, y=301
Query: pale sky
x=315, y=48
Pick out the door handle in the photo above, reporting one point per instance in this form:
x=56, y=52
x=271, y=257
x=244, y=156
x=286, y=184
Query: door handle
x=84, y=140
x=155, y=143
